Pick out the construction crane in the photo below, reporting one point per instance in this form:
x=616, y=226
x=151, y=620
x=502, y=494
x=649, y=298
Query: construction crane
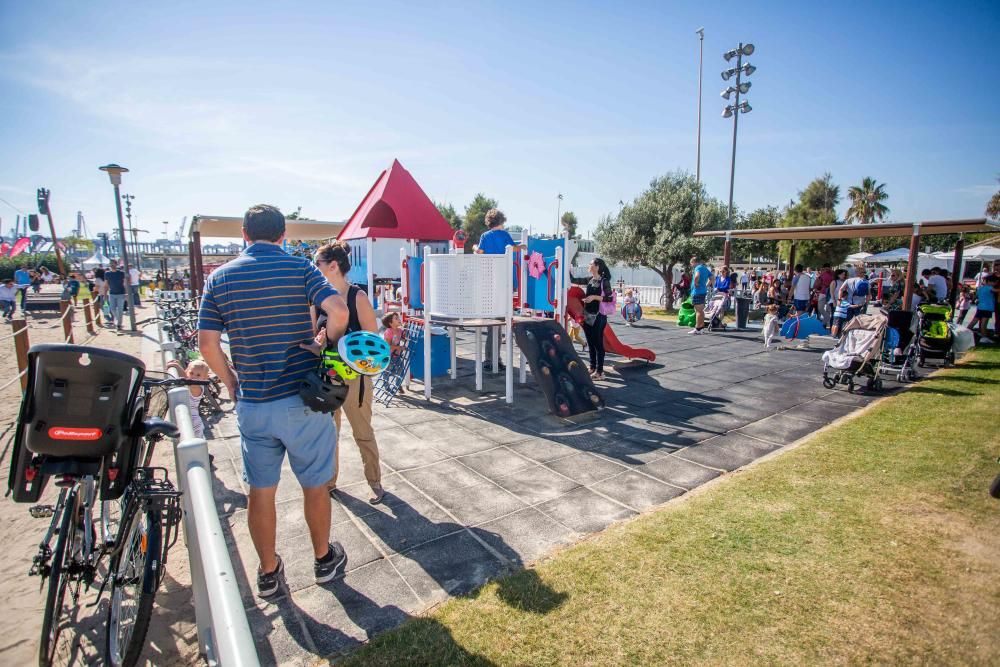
x=180, y=232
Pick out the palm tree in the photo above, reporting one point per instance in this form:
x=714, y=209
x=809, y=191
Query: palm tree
x=866, y=204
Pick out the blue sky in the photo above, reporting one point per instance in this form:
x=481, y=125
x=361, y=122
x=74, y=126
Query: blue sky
x=218, y=105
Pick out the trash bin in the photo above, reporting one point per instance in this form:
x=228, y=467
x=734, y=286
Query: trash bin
x=742, y=311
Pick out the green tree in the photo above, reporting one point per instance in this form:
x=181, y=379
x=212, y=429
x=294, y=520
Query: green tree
x=79, y=243
x=993, y=206
x=752, y=249
x=866, y=204
x=475, y=219
x=656, y=229
x=569, y=223
x=815, y=208
x=449, y=213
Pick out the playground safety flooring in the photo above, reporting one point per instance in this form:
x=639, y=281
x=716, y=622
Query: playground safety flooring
x=477, y=489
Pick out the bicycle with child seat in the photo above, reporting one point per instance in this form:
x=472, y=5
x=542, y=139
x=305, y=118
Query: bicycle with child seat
x=139, y=508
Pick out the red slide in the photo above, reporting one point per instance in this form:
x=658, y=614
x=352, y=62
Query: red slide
x=574, y=309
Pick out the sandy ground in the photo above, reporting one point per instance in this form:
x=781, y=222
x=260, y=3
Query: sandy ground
x=172, y=638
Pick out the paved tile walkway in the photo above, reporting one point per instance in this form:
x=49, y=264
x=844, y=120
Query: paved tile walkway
x=477, y=489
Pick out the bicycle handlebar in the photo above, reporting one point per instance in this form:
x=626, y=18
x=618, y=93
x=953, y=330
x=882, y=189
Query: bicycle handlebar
x=175, y=382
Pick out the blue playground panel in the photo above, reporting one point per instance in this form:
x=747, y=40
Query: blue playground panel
x=415, y=286
x=440, y=356
x=537, y=294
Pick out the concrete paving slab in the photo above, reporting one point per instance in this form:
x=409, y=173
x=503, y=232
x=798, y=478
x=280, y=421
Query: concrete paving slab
x=585, y=468
x=497, y=463
x=781, y=429
x=528, y=533
x=476, y=504
x=637, y=490
x=453, y=565
x=715, y=456
x=679, y=472
x=537, y=484
x=584, y=511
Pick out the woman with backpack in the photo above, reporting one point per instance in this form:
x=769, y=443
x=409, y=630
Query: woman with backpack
x=598, y=303
x=334, y=261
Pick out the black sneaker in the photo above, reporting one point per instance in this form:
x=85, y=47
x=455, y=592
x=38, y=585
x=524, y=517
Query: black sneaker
x=332, y=565
x=268, y=583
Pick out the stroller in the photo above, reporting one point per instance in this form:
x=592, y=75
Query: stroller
x=934, y=338
x=716, y=310
x=899, y=349
x=859, y=353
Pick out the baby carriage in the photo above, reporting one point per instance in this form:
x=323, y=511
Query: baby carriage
x=859, y=353
x=899, y=350
x=716, y=310
x=935, y=339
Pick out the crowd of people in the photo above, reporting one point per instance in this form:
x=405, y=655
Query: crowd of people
x=834, y=296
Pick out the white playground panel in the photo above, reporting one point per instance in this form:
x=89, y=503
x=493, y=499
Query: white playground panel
x=469, y=287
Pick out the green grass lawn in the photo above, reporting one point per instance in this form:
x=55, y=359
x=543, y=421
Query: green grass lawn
x=874, y=541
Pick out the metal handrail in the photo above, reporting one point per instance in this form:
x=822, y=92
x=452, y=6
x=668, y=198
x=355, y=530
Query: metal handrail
x=223, y=630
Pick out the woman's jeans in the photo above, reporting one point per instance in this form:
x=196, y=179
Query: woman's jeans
x=595, y=342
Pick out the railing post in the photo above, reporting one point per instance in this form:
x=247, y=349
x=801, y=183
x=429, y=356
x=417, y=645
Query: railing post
x=21, y=345
x=67, y=320
x=88, y=315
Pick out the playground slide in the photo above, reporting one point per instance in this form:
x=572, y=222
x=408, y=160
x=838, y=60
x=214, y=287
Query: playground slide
x=574, y=309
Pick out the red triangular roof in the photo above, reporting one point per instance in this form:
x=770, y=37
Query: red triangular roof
x=396, y=208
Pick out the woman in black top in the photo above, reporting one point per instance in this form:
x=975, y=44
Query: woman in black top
x=594, y=323
x=334, y=261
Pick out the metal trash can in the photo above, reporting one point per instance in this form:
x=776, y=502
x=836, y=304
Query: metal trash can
x=742, y=311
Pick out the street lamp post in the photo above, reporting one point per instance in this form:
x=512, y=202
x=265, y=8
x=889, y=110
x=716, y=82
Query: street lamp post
x=558, y=213
x=115, y=174
x=734, y=110
x=701, y=57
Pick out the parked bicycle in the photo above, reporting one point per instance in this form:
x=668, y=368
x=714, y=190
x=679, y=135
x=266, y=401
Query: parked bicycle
x=83, y=426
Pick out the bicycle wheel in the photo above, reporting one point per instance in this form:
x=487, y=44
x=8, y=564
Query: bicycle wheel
x=58, y=581
x=135, y=577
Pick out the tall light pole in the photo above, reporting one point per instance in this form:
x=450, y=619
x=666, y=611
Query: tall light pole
x=734, y=110
x=701, y=57
x=115, y=174
x=558, y=212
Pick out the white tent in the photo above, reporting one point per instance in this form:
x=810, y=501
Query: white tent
x=95, y=260
x=983, y=253
x=857, y=257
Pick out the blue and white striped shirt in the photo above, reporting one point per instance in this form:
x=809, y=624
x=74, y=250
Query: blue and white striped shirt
x=262, y=299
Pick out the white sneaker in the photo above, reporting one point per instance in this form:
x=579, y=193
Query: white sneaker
x=983, y=340
x=696, y=331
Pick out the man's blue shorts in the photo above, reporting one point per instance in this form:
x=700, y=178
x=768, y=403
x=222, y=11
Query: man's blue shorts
x=983, y=314
x=268, y=430
x=801, y=305
x=698, y=299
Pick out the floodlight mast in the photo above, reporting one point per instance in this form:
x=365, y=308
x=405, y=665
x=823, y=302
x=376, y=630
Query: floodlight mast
x=734, y=110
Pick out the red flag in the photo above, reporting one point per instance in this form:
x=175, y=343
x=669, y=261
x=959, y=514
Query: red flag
x=4, y=248
x=20, y=246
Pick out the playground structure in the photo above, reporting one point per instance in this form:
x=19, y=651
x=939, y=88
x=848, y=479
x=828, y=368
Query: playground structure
x=394, y=216
x=507, y=293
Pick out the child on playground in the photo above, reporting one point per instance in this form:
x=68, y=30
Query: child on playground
x=963, y=304
x=772, y=325
x=575, y=332
x=196, y=370
x=8, y=297
x=73, y=287
x=630, y=307
x=393, y=334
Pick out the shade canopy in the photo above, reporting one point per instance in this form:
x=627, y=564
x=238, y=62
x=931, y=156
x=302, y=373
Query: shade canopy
x=977, y=225
x=857, y=257
x=897, y=255
x=221, y=226
x=397, y=208
x=983, y=253
x=95, y=260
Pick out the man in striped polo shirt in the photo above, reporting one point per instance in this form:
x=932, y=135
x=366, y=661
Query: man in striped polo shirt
x=261, y=299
